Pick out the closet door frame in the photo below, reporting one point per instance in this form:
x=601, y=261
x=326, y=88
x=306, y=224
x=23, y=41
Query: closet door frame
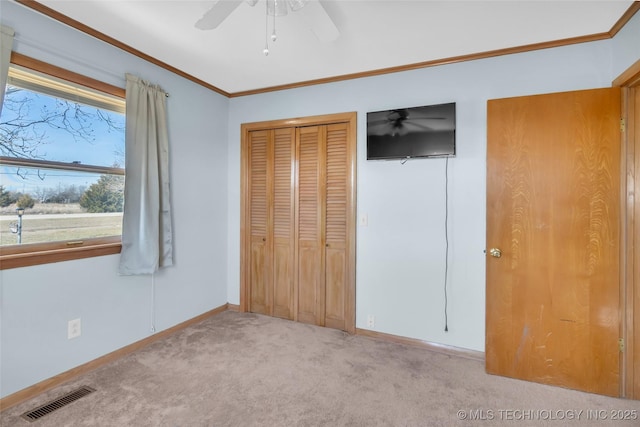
x=245, y=243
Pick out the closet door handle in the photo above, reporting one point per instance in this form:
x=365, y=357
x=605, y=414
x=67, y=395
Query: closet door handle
x=264, y=239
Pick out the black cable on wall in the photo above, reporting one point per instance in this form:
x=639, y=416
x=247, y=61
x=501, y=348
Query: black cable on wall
x=446, y=238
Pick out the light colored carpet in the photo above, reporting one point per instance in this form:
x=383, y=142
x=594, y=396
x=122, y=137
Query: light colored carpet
x=239, y=369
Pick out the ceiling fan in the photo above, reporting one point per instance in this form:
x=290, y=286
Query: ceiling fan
x=399, y=122
x=312, y=11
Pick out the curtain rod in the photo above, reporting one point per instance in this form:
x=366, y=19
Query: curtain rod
x=63, y=54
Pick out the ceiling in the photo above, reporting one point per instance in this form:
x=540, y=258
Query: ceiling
x=373, y=34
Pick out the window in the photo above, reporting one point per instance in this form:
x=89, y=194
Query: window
x=61, y=167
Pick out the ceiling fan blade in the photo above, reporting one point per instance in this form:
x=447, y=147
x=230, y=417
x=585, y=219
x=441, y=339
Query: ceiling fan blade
x=378, y=122
x=319, y=21
x=218, y=13
x=416, y=126
x=427, y=118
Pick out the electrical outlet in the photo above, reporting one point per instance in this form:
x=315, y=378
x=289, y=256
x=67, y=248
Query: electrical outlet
x=371, y=321
x=74, y=329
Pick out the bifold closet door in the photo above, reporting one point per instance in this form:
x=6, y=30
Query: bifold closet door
x=283, y=223
x=260, y=221
x=310, y=150
x=271, y=218
x=335, y=229
x=322, y=153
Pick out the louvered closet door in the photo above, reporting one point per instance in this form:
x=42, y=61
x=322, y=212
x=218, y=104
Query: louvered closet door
x=322, y=224
x=271, y=206
x=259, y=219
x=336, y=225
x=310, y=231
x=298, y=215
x=283, y=223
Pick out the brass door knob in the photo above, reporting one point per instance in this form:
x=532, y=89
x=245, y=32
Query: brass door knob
x=495, y=252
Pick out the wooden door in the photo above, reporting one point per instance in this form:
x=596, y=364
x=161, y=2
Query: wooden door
x=633, y=135
x=310, y=230
x=323, y=177
x=259, y=221
x=553, y=209
x=631, y=95
x=271, y=216
x=335, y=229
x=298, y=219
x=283, y=223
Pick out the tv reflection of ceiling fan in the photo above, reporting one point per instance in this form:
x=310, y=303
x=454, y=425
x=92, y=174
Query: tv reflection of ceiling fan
x=312, y=11
x=400, y=122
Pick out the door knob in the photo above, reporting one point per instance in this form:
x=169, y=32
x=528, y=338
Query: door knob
x=495, y=252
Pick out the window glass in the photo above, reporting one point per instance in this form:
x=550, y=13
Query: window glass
x=61, y=161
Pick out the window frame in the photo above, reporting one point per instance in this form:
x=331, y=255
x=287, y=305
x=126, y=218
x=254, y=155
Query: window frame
x=30, y=254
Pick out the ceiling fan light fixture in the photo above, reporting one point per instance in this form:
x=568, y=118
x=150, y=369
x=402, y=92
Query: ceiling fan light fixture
x=276, y=8
x=265, y=51
x=325, y=31
x=296, y=5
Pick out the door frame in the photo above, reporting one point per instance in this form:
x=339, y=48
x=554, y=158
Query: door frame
x=245, y=246
x=629, y=82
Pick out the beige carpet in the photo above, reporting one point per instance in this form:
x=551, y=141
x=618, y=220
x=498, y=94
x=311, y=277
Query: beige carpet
x=238, y=369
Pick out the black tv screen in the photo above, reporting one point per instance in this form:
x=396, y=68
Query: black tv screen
x=406, y=133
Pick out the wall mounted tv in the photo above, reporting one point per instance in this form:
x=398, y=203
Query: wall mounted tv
x=415, y=132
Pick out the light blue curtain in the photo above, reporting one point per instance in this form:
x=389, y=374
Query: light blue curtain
x=146, y=225
x=6, y=43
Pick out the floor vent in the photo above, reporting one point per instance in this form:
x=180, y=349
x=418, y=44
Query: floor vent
x=57, y=404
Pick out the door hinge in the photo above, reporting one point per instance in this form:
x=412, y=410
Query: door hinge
x=621, y=344
x=622, y=125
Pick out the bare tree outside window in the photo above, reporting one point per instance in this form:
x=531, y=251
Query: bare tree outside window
x=61, y=160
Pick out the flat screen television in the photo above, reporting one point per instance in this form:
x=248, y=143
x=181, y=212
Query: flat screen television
x=415, y=132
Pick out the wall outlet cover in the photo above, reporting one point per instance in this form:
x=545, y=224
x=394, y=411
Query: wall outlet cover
x=371, y=321
x=74, y=329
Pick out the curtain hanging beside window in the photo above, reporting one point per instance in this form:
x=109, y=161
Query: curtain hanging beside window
x=6, y=44
x=146, y=224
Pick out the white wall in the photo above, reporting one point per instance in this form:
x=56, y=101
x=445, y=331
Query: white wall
x=36, y=302
x=400, y=255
